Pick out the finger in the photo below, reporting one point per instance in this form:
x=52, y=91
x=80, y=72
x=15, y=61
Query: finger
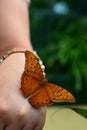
x=41, y=122
x=3, y=113
x=1, y=126
x=12, y=127
x=39, y=126
x=27, y=128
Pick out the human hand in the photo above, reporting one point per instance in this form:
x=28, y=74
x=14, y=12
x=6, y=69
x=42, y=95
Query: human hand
x=15, y=111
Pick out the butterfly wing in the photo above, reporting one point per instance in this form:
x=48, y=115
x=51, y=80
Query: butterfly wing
x=59, y=94
x=40, y=98
x=32, y=74
x=39, y=91
x=32, y=65
x=49, y=94
x=28, y=84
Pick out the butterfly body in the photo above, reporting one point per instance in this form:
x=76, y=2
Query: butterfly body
x=35, y=86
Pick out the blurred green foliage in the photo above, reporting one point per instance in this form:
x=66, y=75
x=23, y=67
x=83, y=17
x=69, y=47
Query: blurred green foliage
x=61, y=39
x=69, y=54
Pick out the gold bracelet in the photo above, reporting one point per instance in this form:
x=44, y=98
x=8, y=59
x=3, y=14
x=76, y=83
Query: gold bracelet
x=12, y=51
x=8, y=53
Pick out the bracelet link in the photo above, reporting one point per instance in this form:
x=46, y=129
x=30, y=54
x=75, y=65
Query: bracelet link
x=1, y=60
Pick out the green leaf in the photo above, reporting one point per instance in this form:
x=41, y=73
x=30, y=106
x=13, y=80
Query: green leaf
x=82, y=112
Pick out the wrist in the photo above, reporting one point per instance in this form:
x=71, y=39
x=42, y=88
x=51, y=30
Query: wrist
x=11, y=70
x=14, y=25
x=18, y=47
x=25, y=52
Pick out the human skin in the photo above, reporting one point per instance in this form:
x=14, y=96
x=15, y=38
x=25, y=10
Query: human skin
x=15, y=111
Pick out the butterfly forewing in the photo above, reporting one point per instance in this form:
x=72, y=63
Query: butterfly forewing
x=32, y=74
x=32, y=65
x=59, y=94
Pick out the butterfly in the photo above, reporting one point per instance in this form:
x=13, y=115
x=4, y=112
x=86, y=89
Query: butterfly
x=36, y=87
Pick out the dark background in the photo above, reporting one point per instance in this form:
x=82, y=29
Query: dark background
x=59, y=35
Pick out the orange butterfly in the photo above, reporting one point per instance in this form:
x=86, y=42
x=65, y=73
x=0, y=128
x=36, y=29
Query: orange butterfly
x=37, y=88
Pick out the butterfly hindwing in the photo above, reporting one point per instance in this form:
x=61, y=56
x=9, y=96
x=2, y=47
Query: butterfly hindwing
x=59, y=94
x=40, y=98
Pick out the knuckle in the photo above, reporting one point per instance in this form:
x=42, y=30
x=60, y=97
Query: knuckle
x=3, y=109
x=21, y=113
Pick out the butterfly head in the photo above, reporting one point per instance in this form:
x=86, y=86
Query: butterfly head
x=44, y=82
